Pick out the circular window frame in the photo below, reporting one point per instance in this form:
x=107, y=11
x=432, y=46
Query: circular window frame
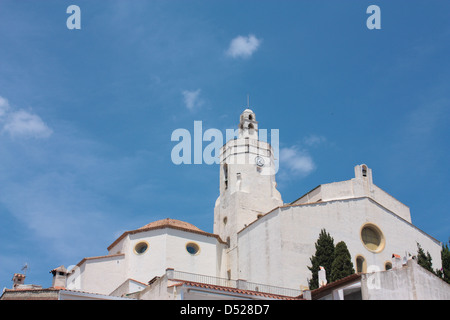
x=192, y=244
x=138, y=244
x=377, y=229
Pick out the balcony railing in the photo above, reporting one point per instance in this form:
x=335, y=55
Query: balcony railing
x=239, y=284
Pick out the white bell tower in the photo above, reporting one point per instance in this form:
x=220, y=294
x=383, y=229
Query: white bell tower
x=247, y=186
x=248, y=126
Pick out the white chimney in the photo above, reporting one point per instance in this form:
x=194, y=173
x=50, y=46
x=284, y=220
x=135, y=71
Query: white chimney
x=322, y=276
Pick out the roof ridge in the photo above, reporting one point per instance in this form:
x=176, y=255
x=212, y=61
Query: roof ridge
x=159, y=224
x=235, y=290
x=171, y=222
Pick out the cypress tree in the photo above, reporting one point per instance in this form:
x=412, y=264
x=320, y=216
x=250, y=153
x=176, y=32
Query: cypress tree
x=342, y=265
x=445, y=257
x=423, y=259
x=324, y=257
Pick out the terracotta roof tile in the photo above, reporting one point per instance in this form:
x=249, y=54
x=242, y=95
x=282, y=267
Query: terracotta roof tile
x=99, y=257
x=167, y=223
x=320, y=291
x=235, y=290
x=170, y=223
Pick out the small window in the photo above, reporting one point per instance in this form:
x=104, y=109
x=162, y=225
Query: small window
x=192, y=248
x=225, y=220
x=388, y=266
x=225, y=175
x=141, y=248
x=250, y=117
x=251, y=128
x=364, y=171
x=360, y=264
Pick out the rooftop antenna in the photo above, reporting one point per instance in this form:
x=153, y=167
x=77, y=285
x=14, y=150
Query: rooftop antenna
x=24, y=268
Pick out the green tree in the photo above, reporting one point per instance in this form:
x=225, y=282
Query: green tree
x=342, y=265
x=423, y=259
x=444, y=273
x=324, y=257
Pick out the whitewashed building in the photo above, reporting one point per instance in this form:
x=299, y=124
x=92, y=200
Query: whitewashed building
x=259, y=243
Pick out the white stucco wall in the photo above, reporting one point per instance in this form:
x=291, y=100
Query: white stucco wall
x=166, y=249
x=360, y=186
x=144, y=267
x=102, y=275
x=411, y=282
x=276, y=249
x=205, y=262
x=119, y=247
x=127, y=287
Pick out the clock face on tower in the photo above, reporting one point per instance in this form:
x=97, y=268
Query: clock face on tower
x=259, y=161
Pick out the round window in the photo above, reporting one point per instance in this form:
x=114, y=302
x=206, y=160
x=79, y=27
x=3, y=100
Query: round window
x=372, y=238
x=192, y=248
x=141, y=247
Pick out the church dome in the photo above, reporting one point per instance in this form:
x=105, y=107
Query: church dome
x=170, y=223
x=166, y=223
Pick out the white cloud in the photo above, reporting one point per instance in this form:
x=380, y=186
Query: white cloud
x=314, y=140
x=243, y=47
x=296, y=162
x=22, y=123
x=192, y=99
x=4, y=106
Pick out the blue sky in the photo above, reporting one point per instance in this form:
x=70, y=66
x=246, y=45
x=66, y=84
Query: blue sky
x=86, y=116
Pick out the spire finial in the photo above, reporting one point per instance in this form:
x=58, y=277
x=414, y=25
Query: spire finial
x=248, y=101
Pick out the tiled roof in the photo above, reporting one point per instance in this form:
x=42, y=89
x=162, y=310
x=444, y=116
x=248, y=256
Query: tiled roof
x=100, y=257
x=30, y=294
x=171, y=223
x=234, y=290
x=167, y=223
x=330, y=286
x=32, y=289
x=50, y=293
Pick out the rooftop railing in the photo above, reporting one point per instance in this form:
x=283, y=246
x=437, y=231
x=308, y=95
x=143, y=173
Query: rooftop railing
x=238, y=284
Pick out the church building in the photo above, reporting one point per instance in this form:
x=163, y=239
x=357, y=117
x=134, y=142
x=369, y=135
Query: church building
x=259, y=243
